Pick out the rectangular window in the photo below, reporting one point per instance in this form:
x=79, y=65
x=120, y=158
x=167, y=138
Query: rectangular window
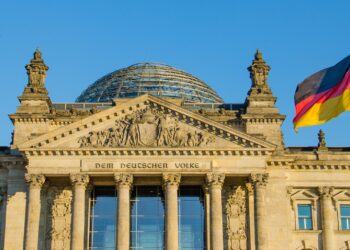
x=103, y=218
x=147, y=218
x=345, y=217
x=191, y=218
x=304, y=217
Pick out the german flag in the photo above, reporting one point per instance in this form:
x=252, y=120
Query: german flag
x=323, y=95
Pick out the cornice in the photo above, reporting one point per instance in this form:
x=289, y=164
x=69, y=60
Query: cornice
x=30, y=152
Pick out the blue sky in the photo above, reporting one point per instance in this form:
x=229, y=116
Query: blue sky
x=213, y=40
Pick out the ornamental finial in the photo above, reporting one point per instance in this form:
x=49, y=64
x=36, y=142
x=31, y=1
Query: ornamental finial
x=258, y=55
x=36, y=71
x=259, y=72
x=321, y=140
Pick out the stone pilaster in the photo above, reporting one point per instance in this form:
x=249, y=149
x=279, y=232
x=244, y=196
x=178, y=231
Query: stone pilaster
x=171, y=184
x=215, y=182
x=207, y=214
x=259, y=182
x=327, y=218
x=123, y=183
x=35, y=183
x=250, y=193
x=79, y=183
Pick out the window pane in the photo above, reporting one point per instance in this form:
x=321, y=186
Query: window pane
x=345, y=217
x=304, y=217
x=191, y=218
x=345, y=210
x=103, y=218
x=147, y=218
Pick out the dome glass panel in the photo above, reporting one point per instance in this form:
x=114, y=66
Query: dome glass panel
x=149, y=78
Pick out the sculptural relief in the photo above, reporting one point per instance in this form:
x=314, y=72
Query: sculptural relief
x=58, y=218
x=235, y=210
x=147, y=128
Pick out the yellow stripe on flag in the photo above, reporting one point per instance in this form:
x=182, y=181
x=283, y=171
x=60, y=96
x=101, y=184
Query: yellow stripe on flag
x=322, y=112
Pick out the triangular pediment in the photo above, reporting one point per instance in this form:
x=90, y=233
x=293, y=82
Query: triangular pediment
x=146, y=122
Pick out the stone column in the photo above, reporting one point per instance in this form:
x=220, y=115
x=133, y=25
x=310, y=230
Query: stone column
x=123, y=183
x=259, y=181
x=207, y=215
x=171, y=184
x=215, y=182
x=250, y=192
x=79, y=182
x=3, y=193
x=35, y=183
x=327, y=218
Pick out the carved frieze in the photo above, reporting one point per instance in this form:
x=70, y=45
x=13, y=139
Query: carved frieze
x=58, y=225
x=147, y=128
x=235, y=211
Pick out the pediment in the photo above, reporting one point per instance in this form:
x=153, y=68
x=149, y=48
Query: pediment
x=145, y=122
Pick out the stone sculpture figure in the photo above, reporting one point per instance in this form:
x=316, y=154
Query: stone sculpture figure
x=146, y=128
x=236, y=219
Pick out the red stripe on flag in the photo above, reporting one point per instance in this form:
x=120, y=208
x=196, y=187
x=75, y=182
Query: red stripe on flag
x=306, y=104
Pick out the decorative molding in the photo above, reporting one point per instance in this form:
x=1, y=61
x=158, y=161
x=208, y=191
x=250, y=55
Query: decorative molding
x=319, y=166
x=35, y=180
x=171, y=180
x=215, y=179
x=259, y=180
x=80, y=180
x=123, y=179
x=59, y=206
x=146, y=152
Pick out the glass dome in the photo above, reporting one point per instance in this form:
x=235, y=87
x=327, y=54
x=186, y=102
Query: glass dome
x=152, y=78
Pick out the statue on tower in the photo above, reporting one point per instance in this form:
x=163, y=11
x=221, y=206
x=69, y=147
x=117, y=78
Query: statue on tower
x=259, y=72
x=36, y=71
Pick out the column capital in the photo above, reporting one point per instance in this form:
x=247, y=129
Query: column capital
x=259, y=180
x=250, y=188
x=215, y=179
x=205, y=188
x=171, y=179
x=123, y=179
x=79, y=180
x=35, y=180
x=326, y=192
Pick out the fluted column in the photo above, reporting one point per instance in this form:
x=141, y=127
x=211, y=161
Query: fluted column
x=124, y=183
x=79, y=182
x=327, y=218
x=171, y=184
x=259, y=181
x=35, y=183
x=215, y=182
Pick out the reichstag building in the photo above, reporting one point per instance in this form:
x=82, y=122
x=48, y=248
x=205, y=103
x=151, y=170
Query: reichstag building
x=150, y=157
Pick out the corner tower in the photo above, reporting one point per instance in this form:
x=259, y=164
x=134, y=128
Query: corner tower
x=32, y=116
x=261, y=116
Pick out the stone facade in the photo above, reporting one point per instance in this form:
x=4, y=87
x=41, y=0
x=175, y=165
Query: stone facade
x=252, y=183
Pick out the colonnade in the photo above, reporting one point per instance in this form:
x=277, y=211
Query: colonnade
x=124, y=182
